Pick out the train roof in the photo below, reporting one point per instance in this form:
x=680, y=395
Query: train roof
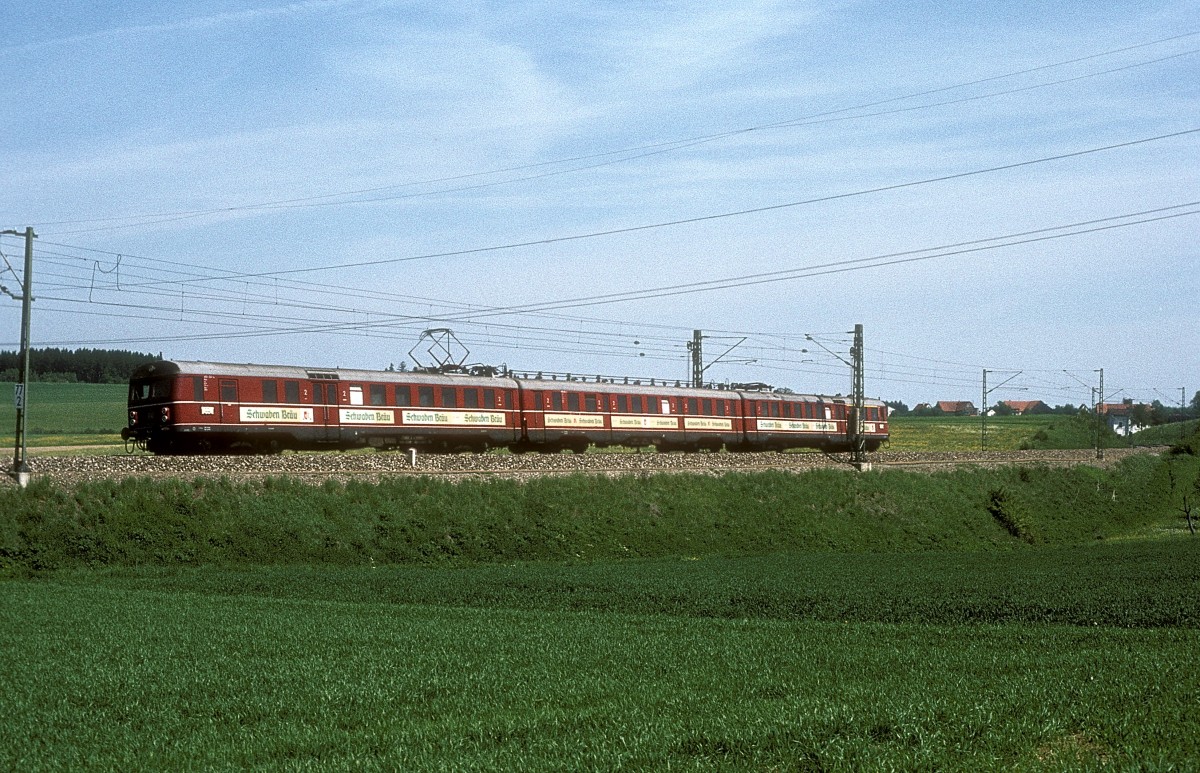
x=252, y=370
x=577, y=384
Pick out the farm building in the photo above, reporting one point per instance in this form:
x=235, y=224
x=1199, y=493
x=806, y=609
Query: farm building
x=1026, y=407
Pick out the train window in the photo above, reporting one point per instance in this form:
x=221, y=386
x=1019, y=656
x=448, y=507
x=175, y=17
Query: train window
x=229, y=391
x=470, y=398
x=449, y=398
x=706, y=406
x=291, y=391
x=356, y=394
x=589, y=402
x=270, y=391
x=403, y=396
x=720, y=407
x=622, y=404
x=378, y=394
x=197, y=388
x=665, y=404
x=573, y=401
x=556, y=401
x=691, y=407
x=425, y=397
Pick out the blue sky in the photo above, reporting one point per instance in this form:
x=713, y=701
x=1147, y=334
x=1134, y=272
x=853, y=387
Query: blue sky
x=317, y=182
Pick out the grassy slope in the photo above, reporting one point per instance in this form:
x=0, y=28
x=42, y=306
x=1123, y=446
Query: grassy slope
x=406, y=520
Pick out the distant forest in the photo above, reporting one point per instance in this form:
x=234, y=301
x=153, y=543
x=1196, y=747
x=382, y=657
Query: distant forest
x=87, y=366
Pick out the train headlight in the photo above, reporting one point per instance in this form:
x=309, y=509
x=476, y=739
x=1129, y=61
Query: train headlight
x=133, y=418
x=166, y=413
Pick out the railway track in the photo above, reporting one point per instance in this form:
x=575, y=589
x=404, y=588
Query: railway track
x=374, y=466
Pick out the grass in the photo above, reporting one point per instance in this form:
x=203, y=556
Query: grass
x=1024, y=618
x=963, y=433
x=424, y=520
x=117, y=678
x=60, y=414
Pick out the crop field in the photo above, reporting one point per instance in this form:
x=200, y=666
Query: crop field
x=294, y=675
x=992, y=619
x=66, y=414
x=963, y=433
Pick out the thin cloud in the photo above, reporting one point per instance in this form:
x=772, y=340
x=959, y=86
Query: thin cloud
x=197, y=23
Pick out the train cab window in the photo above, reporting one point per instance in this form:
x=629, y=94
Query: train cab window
x=403, y=396
x=590, y=403
x=449, y=398
x=291, y=391
x=270, y=391
x=378, y=394
x=573, y=401
x=470, y=398
x=425, y=397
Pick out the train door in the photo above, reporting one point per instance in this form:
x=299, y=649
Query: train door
x=325, y=410
x=230, y=413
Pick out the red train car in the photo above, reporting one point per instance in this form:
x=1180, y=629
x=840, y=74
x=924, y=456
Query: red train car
x=202, y=407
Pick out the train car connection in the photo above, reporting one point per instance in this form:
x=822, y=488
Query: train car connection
x=179, y=407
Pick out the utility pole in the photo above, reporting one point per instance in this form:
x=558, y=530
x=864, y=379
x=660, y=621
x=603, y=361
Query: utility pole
x=20, y=468
x=696, y=347
x=1099, y=410
x=983, y=414
x=858, y=440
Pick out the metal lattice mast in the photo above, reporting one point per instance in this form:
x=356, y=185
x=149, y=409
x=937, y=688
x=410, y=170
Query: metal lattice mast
x=858, y=438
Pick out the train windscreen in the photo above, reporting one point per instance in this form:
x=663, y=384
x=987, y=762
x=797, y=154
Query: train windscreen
x=150, y=389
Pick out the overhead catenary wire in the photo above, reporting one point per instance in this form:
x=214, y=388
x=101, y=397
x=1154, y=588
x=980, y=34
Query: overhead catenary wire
x=650, y=149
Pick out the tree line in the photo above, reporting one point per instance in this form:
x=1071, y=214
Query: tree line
x=87, y=366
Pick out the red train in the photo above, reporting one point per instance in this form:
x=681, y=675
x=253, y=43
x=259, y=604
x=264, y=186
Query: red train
x=205, y=407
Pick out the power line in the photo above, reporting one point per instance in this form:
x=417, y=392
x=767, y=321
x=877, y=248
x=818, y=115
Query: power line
x=703, y=218
x=644, y=151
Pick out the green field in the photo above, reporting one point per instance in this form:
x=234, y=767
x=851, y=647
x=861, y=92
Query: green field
x=66, y=414
x=306, y=669
x=1021, y=618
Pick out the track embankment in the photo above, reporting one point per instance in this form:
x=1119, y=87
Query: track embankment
x=372, y=466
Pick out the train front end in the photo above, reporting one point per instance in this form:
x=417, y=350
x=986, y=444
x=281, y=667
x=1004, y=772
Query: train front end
x=151, y=408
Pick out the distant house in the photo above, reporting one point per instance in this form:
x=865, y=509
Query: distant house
x=958, y=407
x=1120, y=416
x=1027, y=407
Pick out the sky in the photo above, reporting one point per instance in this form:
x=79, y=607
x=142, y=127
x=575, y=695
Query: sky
x=577, y=187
